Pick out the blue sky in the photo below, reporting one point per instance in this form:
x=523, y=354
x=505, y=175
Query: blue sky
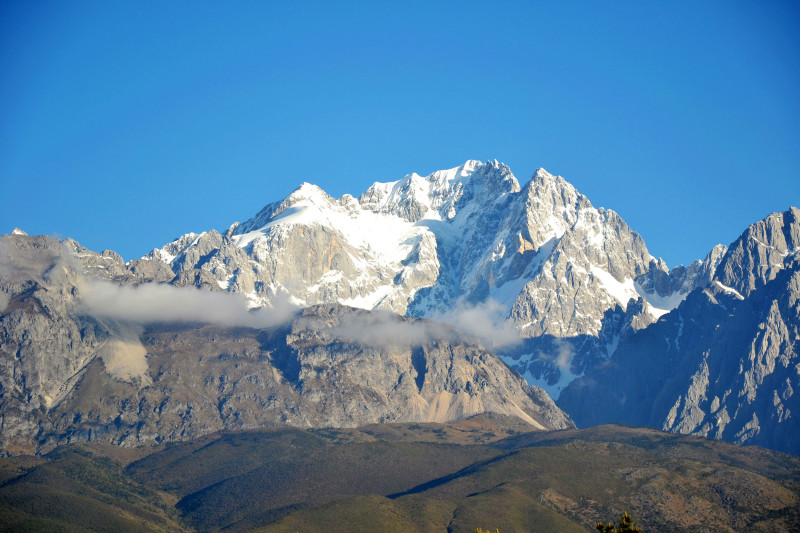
x=124, y=125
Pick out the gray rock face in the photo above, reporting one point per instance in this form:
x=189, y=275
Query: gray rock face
x=660, y=283
x=757, y=256
x=41, y=349
x=586, y=271
x=731, y=351
x=540, y=256
x=67, y=375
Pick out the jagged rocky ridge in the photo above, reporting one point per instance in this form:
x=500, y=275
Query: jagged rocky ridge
x=725, y=363
x=538, y=260
x=71, y=373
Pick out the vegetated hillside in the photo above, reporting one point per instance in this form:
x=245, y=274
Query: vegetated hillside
x=487, y=472
x=75, y=489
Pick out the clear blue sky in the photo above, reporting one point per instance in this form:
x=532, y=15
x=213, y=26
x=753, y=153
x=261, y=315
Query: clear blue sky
x=126, y=124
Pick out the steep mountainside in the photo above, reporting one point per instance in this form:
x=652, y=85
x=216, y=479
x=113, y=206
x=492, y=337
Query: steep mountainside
x=726, y=363
x=74, y=370
x=537, y=260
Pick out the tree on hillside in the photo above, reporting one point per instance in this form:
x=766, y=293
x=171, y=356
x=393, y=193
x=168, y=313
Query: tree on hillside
x=625, y=526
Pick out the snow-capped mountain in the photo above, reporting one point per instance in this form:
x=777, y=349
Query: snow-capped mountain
x=537, y=259
x=566, y=293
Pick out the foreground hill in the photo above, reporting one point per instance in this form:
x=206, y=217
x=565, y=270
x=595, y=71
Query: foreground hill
x=485, y=472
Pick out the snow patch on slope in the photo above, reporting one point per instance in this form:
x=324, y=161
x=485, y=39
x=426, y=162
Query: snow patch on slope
x=387, y=238
x=728, y=290
x=659, y=306
x=622, y=291
x=563, y=362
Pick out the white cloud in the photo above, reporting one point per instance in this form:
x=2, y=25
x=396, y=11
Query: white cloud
x=155, y=302
x=486, y=321
x=387, y=329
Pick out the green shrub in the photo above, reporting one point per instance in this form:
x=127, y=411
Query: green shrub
x=625, y=526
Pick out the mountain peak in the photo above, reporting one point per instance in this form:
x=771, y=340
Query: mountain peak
x=416, y=197
x=760, y=252
x=472, y=164
x=308, y=191
x=542, y=176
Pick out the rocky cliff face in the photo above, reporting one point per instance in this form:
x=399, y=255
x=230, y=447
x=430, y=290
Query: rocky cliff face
x=70, y=372
x=540, y=257
x=725, y=363
x=553, y=361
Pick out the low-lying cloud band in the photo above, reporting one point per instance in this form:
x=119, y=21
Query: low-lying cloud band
x=155, y=302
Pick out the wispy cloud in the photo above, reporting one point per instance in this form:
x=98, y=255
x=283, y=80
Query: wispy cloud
x=155, y=302
x=564, y=356
x=486, y=321
x=387, y=329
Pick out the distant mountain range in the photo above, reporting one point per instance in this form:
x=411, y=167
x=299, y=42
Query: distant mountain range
x=567, y=294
